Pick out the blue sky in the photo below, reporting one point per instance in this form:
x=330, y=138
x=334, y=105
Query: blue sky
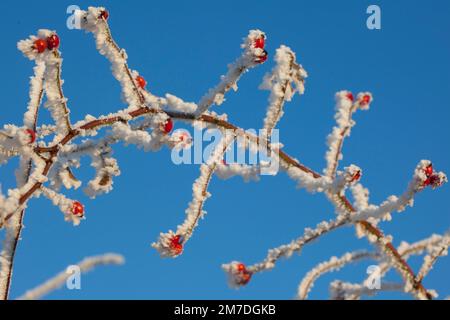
x=183, y=48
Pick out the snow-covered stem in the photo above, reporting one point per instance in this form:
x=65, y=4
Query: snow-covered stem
x=333, y=264
x=51, y=162
x=85, y=265
x=394, y=203
x=286, y=78
x=430, y=259
x=406, y=250
x=171, y=244
x=249, y=59
x=345, y=107
x=349, y=291
x=287, y=250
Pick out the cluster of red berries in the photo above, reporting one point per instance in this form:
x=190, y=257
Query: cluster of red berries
x=50, y=43
x=260, y=43
x=432, y=179
x=77, y=209
x=365, y=99
x=176, y=244
x=243, y=276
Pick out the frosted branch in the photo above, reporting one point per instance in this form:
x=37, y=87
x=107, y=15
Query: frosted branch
x=86, y=265
x=286, y=78
x=253, y=55
x=171, y=244
x=334, y=264
x=345, y=107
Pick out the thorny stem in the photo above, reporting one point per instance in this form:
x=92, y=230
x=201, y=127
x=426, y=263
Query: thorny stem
x=367, y=226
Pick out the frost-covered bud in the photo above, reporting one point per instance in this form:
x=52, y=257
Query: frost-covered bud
x=169, y=244
x=353, y=173
x=141, y=82
x=167, y=126
x=77, y=209
x=254, y=46
x=349, y=96
x=349, y=176
x=260, y=41
x=364, y=100
x=238, y=274
x=180, y=139
x=436, y=180
x=426, y=176
x=40, y=45
x=52, y=42
x=73, y=210
x=36, y=46
x=104, y=14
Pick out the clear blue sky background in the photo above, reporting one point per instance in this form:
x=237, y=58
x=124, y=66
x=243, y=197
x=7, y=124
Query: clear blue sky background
x=183, y=48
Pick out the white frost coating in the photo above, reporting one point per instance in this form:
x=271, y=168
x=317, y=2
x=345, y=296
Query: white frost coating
x=86, y=265
x=48, y=69
x=398, y=204
x=116, y=56
x=174, y=103
x=406, y=250
x=140, y=138
x=237, y=273
x=360, y=196
x=247, y=60
x=200, y=193
x=286, y=78
x=64, y=204
x=344, y=110
x=348, y=177
x=308, y=181
x=349, y=291
x=106, y=168
x=334, y=264
x=36, y=89
x=180, y=139
x=439, y=250
x=247, y=172
x=286, y=251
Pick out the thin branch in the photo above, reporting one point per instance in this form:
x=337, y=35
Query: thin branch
x=333, y=264
x=56, y=282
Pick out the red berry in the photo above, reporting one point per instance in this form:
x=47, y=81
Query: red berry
x=53, y=42
x=241, y=267
x=365, y=99
x=263, y=57
x=428, y=170
x=349, y=96
x=260, y=42
x=141, y=82
x=167, y=126
x=245, y=278
x=40, y=45
x=176, y=244
x=77, y=209
x=32, y=135
x=104, y=15
x=356, y=176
